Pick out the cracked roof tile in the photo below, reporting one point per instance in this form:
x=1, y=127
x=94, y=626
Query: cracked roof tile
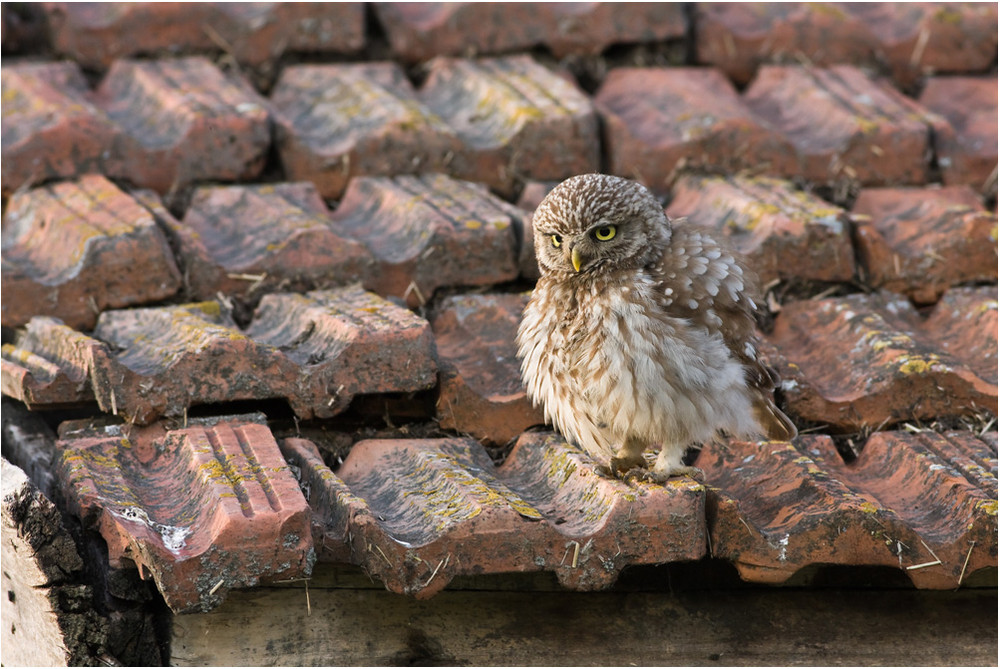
x=75, y=248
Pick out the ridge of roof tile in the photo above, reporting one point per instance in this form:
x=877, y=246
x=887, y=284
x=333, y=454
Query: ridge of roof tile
x=783, y=232
x=416, y=513
x=864, y=361
x=201, y=509
x=480, y=381
x=430, y=231
x=50, y=365
x=921, y=241
x=659, y=121
x=75, y=248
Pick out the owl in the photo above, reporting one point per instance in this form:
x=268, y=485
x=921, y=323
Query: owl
x=640, y=332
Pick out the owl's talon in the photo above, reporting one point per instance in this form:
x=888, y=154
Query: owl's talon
x=624, y=465
x=661, y=476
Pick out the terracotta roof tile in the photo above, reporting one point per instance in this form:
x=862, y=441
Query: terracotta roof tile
x=909, y=39
x=416, y=513
x=252, y=239
x=95, y=35
x=964, y=325
x=50, y=365
x=866, y=361
x=323, y=136
x=738, y=37
x=202, y=509
x=316, y=350
x=184, y=121
x=510, y=113
x=430, y=231
x=783, y=232
x=775, y=508
x=51, y=128
x=660, y=120
x=843, y=125
x=968, y=153
x=420, y=31
x=75, y=248
x=916, y=39
x=481, y=392
x=920, y=241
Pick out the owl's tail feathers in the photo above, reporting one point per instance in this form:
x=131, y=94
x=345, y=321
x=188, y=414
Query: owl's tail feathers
x=775, y=425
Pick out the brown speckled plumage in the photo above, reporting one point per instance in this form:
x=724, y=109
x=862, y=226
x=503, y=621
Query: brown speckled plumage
x=640, y=331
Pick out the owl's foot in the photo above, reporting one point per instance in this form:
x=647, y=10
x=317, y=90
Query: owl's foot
x=658, y=475
x=621, y=465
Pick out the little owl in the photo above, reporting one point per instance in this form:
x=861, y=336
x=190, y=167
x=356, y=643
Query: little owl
x=640, y=331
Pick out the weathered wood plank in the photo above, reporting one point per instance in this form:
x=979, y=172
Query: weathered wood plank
x=338, y=626
x=35, y=549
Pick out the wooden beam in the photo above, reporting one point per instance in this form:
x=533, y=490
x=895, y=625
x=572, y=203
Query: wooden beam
x=336, y=625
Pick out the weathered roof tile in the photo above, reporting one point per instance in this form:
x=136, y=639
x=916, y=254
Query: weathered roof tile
x=50, y=365
x=967, y=154
x=203, y=509
x=658, y=121
x=775, y=508
x=783, y=232
x=420, y=31
x=184, y=121
x=338, y=121
x=76, y=248
x=843, y=125
x=864, y=361
x=416, y=513
x=253, y=239
x=430, y=231
x=516, y=119
x=921, y=241
x=51, y=128
x=97, y=34
x=480, y=383
x=316, y=350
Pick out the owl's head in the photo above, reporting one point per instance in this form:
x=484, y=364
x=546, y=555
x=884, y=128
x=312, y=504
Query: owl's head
x=594, y=222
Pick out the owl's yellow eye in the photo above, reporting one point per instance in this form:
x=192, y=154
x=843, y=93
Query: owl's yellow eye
x=605, y=233
x=556, y=241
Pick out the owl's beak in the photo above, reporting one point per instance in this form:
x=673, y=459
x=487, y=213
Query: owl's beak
x=576, y=258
